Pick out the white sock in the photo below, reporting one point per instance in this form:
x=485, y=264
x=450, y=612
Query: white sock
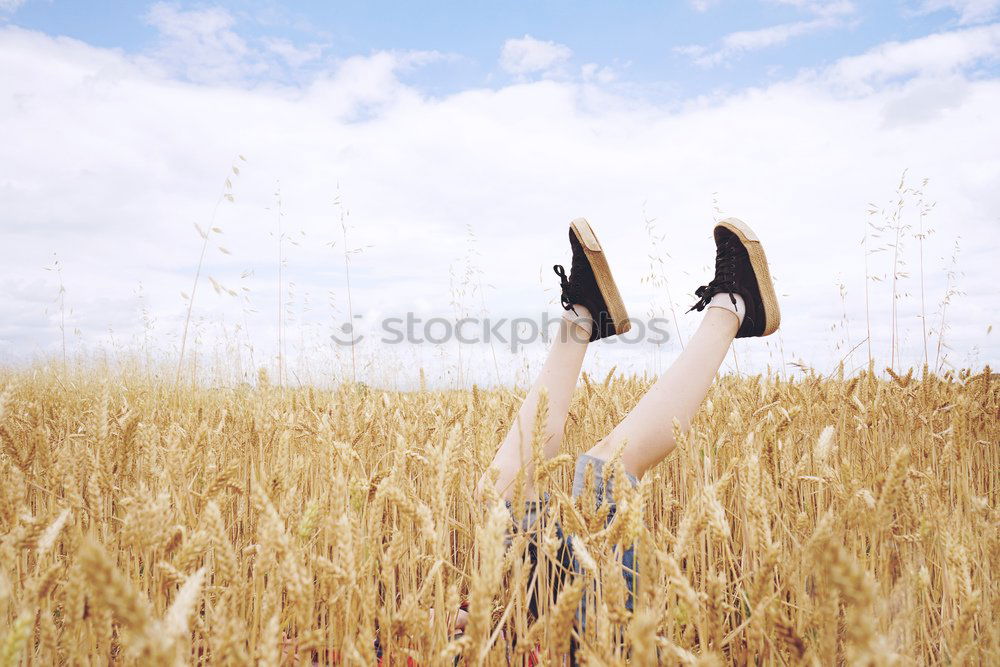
x=584, y=323
x=723, y=300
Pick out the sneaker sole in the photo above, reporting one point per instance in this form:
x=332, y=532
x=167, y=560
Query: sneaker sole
x=602, y=273
x=758, y=260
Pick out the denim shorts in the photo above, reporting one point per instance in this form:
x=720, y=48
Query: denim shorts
x=555, y=571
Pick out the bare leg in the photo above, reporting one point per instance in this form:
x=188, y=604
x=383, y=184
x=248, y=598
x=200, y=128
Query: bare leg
x=647, y=431
x=558, y=379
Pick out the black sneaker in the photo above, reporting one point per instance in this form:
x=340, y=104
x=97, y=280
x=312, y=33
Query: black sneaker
x=590, y=283
x=741, y=268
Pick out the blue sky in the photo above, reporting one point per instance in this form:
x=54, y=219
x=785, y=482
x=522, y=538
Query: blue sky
x=643, y=42
x=461, y=138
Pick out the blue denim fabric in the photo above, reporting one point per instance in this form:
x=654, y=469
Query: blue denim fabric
x=565, y=562
x=604, y=491
x=555, y=572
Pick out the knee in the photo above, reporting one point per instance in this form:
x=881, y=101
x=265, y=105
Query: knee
x=601, y=450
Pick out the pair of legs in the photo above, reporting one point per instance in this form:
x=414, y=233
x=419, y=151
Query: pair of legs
x=740, y=302
x=646, y=434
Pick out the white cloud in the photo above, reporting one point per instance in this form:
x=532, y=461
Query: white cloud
x=293, y=55
x=827, y=14
x=751, y=40
x=200, y=44
x=969, y=11
x=108, y=162
x=939, y=54
x=594, y=72
x=702, y=5
x=736, y=44
x=10, y=6
x=527, y=55
x=203, y=45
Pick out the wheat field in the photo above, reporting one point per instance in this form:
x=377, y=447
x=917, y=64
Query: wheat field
x=811, y=520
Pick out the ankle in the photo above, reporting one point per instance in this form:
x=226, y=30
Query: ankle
x=732, y=302
x=582, y=320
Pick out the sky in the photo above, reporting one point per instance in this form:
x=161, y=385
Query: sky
x=365, y=160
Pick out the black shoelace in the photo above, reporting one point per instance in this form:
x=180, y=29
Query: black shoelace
x=565, y=285
x=725, y=276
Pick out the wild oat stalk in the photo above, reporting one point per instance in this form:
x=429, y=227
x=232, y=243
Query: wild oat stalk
x=951, y=291
x=898, y=228
x=348, y=252
x=280, y=312
x=657, y=276
x=923, y=210
x=61, y=298
x=226, y=195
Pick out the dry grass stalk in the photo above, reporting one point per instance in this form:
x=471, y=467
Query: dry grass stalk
x=802, y=520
